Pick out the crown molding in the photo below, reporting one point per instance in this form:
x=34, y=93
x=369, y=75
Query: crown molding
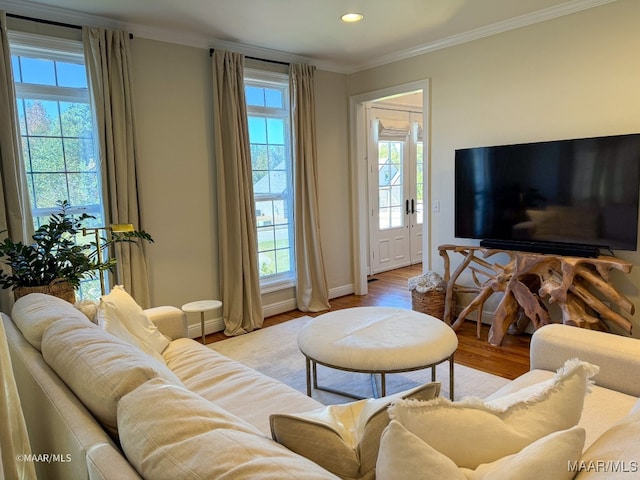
x=550, y=13
x=57, y=14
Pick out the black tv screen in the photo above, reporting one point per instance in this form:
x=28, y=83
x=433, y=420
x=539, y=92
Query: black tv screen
x=581, y=191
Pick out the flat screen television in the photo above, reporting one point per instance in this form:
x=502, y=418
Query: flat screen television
x=546, y=196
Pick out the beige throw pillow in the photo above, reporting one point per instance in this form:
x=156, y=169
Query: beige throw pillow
x=472, y=431
x=614, y=454
x=403, y=455
x=345, y=438
x=168, y=432
x=120, y=315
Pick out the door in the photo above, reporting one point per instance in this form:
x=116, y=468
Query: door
x=395, y=189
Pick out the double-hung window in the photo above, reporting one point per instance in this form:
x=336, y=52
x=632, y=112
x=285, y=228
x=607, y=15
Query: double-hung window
x=267, y=97
x=57, y=130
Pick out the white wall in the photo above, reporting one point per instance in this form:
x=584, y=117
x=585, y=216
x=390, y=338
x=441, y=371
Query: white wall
x=574, y=76
x=172, y=90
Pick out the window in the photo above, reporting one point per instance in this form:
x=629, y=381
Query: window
x=267, y=97
x=56, y=130
x=390, y=184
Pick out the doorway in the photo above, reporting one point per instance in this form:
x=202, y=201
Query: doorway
x=361, y=172
x=396, y=182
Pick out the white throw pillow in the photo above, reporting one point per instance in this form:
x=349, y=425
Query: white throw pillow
x=403, y=455
x=345, y=438
x=120, y=315
x=89, y=308
x=614, y=454
x=472, y=431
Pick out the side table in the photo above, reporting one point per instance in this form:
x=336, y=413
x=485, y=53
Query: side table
x=201, y=306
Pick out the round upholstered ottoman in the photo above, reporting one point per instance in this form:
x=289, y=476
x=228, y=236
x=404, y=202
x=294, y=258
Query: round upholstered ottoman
x=376, y=340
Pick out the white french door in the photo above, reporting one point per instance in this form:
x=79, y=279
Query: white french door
x=395, y=188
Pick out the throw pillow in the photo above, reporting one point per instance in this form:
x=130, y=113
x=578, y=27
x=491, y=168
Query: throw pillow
x=89, y=308
x=169, y=432
x=98, y=367
x=614, y=454
x=120, y=315
x=472, y=431
x=344, y=439
x=404, y=455
x=33, y=313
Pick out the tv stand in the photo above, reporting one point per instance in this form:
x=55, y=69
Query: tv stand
x=580, y=286
x=547, y=248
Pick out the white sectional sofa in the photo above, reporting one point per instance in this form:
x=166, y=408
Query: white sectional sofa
x=115, y=412
x=59, y=421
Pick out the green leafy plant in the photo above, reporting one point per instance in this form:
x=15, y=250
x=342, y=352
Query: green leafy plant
x=55, y=255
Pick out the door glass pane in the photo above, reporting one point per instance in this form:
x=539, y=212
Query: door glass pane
x=390, y=185
x=419, y=183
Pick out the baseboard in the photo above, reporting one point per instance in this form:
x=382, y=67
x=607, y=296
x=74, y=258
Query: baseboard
x=342, y=291
x=279, y=307
x=217, y=324
x=210, y=326
x=487, y=317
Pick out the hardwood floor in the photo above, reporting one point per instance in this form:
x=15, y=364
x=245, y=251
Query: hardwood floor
x=390, y=289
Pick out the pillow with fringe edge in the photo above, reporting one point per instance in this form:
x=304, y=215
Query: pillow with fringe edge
x=473, y=431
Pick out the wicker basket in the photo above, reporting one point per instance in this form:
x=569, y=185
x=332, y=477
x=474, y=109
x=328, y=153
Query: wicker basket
x=60, y=289
x=428, y=294
x=431, y=303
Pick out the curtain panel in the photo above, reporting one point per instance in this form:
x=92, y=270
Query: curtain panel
x=15, y=209
x=108, y=60
x=239, y=277
x=312, y=292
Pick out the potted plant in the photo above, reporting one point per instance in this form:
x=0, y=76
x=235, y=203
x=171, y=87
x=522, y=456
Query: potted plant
x=54, y=263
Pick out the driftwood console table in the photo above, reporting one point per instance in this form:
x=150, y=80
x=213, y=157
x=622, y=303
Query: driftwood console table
x=580, y=287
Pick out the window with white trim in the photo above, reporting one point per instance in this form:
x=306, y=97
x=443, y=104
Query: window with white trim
x=267, y=97
x=57, y=131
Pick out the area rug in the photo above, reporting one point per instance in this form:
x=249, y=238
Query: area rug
x=274, y=351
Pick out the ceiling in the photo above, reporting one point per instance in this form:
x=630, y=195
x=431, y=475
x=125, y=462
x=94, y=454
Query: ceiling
x=310, y=30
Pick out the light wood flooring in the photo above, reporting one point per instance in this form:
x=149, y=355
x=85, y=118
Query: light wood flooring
x=509, y=360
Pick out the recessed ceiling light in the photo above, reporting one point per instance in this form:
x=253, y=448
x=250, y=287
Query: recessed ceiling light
x=351, y=17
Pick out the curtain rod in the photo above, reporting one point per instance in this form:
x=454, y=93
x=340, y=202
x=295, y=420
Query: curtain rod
x=49, y=22
x=211, y=50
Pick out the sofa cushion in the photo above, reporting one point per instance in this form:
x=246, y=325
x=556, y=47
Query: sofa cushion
x=473, y=431
x=404, y=455
x=615, y=453
x=199, y=440
x=345, y=438
x=233, y=385
x=98, y=367
x=119, y=314
x=33, y=313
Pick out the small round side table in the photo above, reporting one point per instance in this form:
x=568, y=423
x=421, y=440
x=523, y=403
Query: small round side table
x=201, y=306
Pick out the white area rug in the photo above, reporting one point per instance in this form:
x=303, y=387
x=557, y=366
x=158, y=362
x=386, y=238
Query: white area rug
x=274, y=352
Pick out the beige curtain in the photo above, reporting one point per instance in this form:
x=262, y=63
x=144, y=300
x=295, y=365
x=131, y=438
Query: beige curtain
x=312, y=293
x=14, y=439
x=108, y=60
x=15, y=216
x=15, y=210
x=240, y=284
